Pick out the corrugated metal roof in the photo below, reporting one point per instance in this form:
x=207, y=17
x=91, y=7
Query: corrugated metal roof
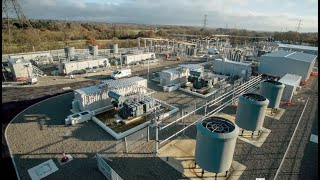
x=290, y=79
x=18, y=60
x=88, y=90
x=233, y=62
x=292, y=55
x=191, y=66
x=293, y=46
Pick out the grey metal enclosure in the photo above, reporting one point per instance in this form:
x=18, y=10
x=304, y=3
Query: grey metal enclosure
x=280, y=63
x=272, y=90
x=251, y=111
x=215, y=144
x=291, y=83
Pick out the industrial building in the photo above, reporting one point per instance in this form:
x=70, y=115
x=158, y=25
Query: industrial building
x=291, y=83
x=96, y=97
x=174, y=76
x=69, y=67
x=280, y=63
x=134, y=58
x=193, y=67
x=20, y=68
x=298, y=48
x=231, y=68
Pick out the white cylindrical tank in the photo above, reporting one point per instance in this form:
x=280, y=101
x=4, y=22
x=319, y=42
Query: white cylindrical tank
x=272, y=90
x=215, y=144
x=69, y=51
x=251, y=111
x=114, y=48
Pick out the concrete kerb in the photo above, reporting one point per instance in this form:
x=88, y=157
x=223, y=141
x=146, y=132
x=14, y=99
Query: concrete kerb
x=5, y=132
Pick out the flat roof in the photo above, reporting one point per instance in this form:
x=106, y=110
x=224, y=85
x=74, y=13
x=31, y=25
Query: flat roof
x=88, y=90
x=84, y=60
x=292, y=55
x=233, y=62
x=191, y=66
x=18, y=60
x=293, y=46
x=290, y=79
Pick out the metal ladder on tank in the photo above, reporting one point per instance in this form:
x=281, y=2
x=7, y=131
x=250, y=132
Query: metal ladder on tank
x=37, y=72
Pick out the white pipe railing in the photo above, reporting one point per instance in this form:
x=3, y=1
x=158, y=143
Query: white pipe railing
x=215, y=101
x=288, y=147
x=218, y=109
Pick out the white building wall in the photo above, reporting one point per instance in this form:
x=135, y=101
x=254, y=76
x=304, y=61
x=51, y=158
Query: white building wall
x=280, y=66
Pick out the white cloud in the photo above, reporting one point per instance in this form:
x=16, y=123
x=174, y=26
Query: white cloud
x=187, y=12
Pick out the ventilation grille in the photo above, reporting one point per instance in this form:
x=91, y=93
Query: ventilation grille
x=254, y=97
x=218, y=125
x=273, y=82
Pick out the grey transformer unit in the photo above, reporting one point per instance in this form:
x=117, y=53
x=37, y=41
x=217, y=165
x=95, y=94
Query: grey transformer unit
x=215, y=144
x=273, y=91
x=251, y=111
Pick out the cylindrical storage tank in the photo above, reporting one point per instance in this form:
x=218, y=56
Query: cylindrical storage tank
x=251, y=111
x=93, y=50
x=114, y=48
x=215, y=144
x=69, y=51
x=272, y=90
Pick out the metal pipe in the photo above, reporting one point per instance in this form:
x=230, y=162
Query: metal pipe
x=287, y=150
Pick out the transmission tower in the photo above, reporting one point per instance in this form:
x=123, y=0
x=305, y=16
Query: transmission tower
x=12, y=13
x=299, y=24
x=205, y=22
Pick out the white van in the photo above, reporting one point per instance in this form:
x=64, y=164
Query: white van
x=120, y=73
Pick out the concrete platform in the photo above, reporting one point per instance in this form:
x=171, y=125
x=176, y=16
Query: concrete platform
x=277, y=115
x=246, y=137
x=180, y=155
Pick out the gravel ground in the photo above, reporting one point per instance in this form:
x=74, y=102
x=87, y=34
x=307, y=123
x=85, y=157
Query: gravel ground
x=32, y=146
x=16, y=99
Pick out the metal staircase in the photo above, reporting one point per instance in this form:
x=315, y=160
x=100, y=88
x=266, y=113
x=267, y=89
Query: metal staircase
x=37, y=72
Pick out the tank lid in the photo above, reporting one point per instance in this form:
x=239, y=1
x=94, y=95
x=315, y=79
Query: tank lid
x=254, y=97
x=218, y=127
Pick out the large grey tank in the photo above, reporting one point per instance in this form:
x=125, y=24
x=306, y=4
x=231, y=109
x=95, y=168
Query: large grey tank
x=69, y=51
x=273, y=91
x=93, y=50
x=215, y=144
x=114, y=48
x=251, y=111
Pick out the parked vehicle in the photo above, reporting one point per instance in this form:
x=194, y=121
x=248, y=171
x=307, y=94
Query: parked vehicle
x=32, y=80
x=78, y=118
x=120, y=73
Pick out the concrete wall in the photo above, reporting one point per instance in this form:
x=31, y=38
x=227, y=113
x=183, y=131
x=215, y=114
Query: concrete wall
x=280, y=66
x=231, y=68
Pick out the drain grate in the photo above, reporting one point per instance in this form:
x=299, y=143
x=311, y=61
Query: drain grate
x=218, y=125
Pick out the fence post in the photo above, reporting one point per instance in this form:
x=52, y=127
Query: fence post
x=157, y=138
x=125, y=144
x=205, y=109
x=148, y=133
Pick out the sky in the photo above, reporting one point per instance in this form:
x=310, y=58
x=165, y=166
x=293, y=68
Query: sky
x=260, y=15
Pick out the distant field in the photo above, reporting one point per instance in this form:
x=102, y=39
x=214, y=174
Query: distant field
x=60, y=44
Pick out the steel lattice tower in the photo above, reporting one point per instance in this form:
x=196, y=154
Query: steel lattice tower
x=11, y=13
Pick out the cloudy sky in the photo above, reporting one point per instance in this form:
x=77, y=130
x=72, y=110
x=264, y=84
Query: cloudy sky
x=264, y=15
